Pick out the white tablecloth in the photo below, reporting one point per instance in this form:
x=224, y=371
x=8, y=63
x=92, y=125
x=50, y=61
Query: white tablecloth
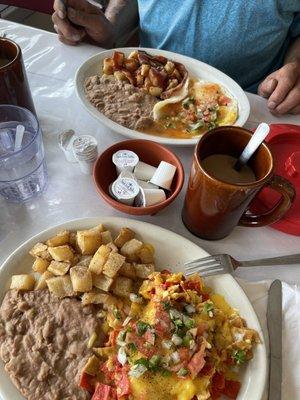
x=51, y=67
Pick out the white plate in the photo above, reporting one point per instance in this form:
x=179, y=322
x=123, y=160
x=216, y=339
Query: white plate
x=172, y=251
x=196, y=68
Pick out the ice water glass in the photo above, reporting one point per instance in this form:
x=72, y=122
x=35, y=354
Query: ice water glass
x=23, y=173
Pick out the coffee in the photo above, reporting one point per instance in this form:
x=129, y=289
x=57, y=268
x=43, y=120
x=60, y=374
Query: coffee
x=4, y=61
x=221, y=167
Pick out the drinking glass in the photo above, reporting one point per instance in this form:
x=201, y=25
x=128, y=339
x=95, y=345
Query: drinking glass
x=23, y=173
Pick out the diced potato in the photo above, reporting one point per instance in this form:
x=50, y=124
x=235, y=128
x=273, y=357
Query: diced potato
x=61, y=253
x=113, y=247
x=145, y=68
x=134, y=54
x=40, y=250
x=102, y=282
x=120, y=76
x=60, y=286
x=113, y=264
x=40, y=265
x=84, y=261
x=139, y=80
x=124, y=236
x=104, y=351
x=108, y=66
x=89, y=240
x=73, y=239
x=122, y=286
x=118, y=58
x=81, y=279
x=106, y=237
x=92, y=366
x=155, y=91
x=99, y=298
x=131, y=248
x=146, y=254
x=22, y=282
x=59, y=268
x=169, y=67
x=99, y=259
x=144, y=270
x=131, y=64
x=127, y=270
x=59, y=239
x=41, y=283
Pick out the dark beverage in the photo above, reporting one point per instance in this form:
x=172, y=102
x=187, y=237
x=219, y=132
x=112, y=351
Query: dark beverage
x=14, y=88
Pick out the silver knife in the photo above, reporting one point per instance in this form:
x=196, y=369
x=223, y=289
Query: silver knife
x=274, y=318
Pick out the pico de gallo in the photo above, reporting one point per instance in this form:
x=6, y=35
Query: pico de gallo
x=178, y=340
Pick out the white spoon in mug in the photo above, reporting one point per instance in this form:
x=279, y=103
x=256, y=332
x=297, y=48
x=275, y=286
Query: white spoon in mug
x=256, y=140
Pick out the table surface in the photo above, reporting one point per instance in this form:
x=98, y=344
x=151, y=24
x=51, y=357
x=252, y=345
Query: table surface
x=51, y=68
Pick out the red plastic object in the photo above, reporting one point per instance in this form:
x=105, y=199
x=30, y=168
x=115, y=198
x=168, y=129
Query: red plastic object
x=284, y=142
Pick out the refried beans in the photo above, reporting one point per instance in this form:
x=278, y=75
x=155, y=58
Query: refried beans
x=43, y=343
x=120, y=101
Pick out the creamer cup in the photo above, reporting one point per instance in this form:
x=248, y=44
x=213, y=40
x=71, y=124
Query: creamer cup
x=125, y=190
x=144, y=171
x=125, y=160
x=164, y=175
x=146, y=185
x=150, y=197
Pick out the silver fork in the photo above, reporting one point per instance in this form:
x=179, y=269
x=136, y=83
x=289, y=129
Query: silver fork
x=225, y=264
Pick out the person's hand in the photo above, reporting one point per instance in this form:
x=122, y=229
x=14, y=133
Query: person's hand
x=282, y=88
x=81, y=19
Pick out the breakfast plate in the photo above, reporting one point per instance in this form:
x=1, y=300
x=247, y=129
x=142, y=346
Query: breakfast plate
x=196, y=70
x=172, y=251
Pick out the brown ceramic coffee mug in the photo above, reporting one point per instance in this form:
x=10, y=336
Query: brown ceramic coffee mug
x=212, y=207
x=14, y=88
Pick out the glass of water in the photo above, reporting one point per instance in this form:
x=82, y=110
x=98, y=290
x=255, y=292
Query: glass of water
x=23, y=173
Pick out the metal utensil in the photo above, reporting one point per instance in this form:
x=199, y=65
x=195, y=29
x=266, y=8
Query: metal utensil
x=225, y=264
x=256, y=140
x=274, y=319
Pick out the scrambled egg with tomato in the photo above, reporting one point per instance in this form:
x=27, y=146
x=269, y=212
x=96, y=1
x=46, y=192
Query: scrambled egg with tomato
x=205, y=106
x=177, y=341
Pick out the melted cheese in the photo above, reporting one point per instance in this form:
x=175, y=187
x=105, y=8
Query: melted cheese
x=158, y=387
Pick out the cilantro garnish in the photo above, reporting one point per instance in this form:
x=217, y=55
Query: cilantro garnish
x=239, y=356
x=208, y=307
x=142, y=327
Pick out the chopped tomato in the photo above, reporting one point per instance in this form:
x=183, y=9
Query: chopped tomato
x=86, y=382
x=104, y=392
x=224, y=100
x=218, y=381
x=123, y=385
x=215, y=393
x=231, y=389
x=205, y=296
x=197, y=362
x=183, y=353
x=163, y=325
x=113, y=337
x=207, y=369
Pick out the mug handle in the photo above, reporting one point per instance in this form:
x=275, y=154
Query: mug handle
x=288, y=193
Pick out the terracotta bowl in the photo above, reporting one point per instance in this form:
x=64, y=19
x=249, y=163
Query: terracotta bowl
x=151, y=153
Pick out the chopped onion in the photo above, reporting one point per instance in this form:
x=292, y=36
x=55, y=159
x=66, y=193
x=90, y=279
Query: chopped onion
x=122, y=357
x=137, y=370
x=121, y=338
x=176, y=339
x=175, y=357
x=190, y=309
x=166, y=344
x=193, y=332
x=174, y=314
x=135, y=298
x=192, y=344
x=126, y=320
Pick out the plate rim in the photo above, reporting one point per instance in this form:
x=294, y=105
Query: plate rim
x=121, y=221
x=140, y=135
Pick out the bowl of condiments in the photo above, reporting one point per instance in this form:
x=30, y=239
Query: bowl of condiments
x=138, y=177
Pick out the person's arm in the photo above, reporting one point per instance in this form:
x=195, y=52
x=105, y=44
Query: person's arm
x=123, y=15
x=282, y=87
x=103, y=28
